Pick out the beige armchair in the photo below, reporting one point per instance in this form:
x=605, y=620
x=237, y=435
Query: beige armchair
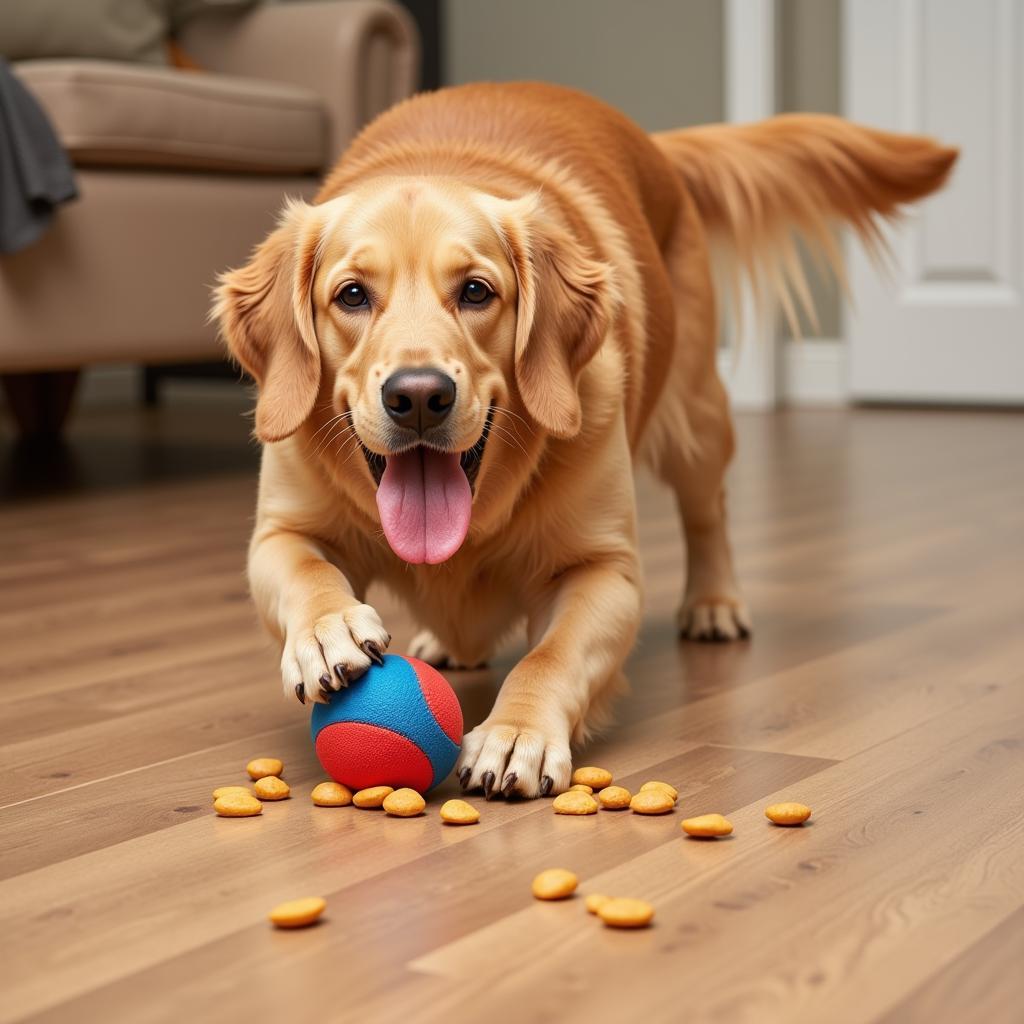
x=180, y=173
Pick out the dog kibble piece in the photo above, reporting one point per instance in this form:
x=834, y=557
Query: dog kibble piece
x=404, y=803
x=270, y=787
x=331, y=794
x=237, y=805
x=671, y=790
x=625, y=913
x=707, y=825
x=372, y=797
x=554, y=884
x=651, y=801
x=458, y=812
x=298, y=913
x=264, y=766
x=595, y=901
x=581, y=789
x=595, y=778
x=788, y=814
x=574, y=802
x=614, y=798
x=231, y=790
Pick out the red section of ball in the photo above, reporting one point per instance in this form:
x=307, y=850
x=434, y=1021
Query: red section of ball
x=359, y=756
x=440, y=698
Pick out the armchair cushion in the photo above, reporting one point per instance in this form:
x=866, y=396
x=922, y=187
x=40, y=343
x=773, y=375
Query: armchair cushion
x=119, y=115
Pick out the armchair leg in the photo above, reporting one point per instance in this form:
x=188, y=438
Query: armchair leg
x=40, y=402
x=150, y=386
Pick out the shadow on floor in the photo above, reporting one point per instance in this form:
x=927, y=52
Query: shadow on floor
x=105, y=452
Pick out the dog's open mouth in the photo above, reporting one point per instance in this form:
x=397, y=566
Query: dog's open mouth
x=425, y=498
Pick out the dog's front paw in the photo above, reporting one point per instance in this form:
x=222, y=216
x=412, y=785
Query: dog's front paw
x=515, y=760
x=715, y=620
x=326, y=652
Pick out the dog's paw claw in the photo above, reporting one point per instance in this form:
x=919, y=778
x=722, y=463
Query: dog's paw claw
x=324, y=654
x=528, y=762
x=714, y=621
x=372, y=651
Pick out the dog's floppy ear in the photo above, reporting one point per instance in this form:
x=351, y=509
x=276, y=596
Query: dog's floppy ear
x=566, y=304
x=265, y=310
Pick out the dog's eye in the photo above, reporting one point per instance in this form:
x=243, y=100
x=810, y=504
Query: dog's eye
x=353, y=295
x=475, y=292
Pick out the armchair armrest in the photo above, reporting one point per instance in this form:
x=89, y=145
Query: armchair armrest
x=360, y=56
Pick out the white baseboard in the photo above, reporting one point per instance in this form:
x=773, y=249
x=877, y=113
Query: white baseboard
x=814, y=372
x=810, y=371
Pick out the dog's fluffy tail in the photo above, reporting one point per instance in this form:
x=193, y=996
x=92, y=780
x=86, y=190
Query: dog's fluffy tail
x=761, y=186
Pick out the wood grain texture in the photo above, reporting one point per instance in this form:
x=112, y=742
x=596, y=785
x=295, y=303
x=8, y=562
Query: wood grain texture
x=882, y=556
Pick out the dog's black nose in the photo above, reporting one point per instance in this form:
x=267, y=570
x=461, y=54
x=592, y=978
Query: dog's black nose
x=418, y=398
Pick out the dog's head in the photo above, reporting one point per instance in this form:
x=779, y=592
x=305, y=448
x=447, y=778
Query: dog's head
x=439, y=329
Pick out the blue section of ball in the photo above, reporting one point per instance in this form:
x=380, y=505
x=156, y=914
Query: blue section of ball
x=389, y=696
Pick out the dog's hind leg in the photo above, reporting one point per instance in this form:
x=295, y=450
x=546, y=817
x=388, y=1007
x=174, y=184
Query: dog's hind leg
x=426, y=646
x=712, y=607
x=689, y=442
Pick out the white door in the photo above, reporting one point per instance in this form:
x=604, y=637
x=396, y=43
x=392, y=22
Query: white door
x=948, y=323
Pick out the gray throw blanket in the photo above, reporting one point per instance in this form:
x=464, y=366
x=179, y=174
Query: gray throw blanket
x=35, y=173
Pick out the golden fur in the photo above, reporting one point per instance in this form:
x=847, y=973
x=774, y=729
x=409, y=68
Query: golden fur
x=597, y=350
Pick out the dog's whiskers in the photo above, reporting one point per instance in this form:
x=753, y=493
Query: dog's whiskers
x=335, y=435
x=347, y=415
x=515, y=415
x=506, y=435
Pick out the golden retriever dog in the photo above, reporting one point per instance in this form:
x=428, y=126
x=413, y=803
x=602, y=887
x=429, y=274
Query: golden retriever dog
x=500, y=301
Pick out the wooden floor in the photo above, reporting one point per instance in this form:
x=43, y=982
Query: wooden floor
x=883, y=555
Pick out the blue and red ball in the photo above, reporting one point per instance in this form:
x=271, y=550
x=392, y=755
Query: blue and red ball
x=398, y=725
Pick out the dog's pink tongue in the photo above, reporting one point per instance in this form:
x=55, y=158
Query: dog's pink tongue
x=425, y=503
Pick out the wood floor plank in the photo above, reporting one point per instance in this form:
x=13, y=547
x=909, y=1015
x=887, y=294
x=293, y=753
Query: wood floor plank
x=984, y=983
x=854, y=921
x=377, y=898
x=881, y=553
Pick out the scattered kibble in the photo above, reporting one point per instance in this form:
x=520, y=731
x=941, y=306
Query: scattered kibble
x=614, y=798
x=237, y=805
x=707, y=825
x=579, y=788
x=788, y=814
x=372, y=797
x=651, y=801
x=231, y=790
x=261, y=767
x=625, y=913
x=595, y=901
x=297, y=913
x=331, y=794
x=596, y=778
x=270, y=787
x=574, y=802
x=554, y=884
x=671, y=790
x=404, y=803
x=458, y=812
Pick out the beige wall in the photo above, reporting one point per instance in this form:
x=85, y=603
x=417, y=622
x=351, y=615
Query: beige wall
x=659, y=61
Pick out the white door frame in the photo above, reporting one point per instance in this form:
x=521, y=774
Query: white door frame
x=749, y=364
x=758, y=369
